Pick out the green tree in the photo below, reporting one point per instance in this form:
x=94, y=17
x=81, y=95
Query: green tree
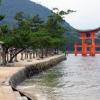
x=26, y=22
x=33, y=33
x=36, y=23
x=56, y=30
x=1, y=18
x=19, y=17
x=20, y=41
x=4, y=29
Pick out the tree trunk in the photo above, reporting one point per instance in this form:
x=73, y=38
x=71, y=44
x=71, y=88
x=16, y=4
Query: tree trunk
x=16, y=60
x=7, y=55
x=21, y=56
x=30, y=55
x=4, y=61
x=4, y=58
x=33, y=54
x=16, y=53
x=26, y=54
x=46, y=52
x=42, y=53
x=36, y=53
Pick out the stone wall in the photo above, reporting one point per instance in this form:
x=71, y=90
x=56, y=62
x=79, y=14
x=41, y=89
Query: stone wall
x=31, y=70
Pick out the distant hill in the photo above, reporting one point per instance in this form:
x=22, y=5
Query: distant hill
x=10, y=7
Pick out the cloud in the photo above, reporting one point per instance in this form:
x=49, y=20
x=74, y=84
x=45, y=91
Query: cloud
x=87, y=15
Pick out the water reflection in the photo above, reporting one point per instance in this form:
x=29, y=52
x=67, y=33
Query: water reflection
x=74, y=79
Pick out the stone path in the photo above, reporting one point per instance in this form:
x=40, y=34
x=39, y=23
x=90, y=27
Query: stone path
x=6, y=93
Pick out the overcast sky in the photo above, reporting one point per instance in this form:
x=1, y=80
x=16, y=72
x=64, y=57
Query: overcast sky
x=87, y=15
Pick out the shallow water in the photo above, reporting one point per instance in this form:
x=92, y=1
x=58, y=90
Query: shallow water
x=77, y=78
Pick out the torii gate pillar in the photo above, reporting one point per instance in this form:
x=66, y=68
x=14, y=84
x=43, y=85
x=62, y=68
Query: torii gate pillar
x=93, y=46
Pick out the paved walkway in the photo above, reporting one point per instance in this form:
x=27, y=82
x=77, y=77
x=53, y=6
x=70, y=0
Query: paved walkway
x=6, y=93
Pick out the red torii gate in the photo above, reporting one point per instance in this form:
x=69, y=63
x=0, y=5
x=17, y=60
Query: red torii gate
x=85, y=47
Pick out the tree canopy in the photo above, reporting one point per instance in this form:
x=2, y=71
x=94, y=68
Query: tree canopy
x=32, y=32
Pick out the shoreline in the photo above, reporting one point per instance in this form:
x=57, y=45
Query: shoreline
x=12, y=76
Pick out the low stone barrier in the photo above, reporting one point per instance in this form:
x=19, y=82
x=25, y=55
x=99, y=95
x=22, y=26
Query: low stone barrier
x=33, y=69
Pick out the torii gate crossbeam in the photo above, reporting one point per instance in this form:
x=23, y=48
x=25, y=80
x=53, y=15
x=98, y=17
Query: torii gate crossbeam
x=85, y=47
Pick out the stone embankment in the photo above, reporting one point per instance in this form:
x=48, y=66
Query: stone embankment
x=22, y=73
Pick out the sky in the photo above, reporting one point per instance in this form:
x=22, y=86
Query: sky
x=87, y=15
